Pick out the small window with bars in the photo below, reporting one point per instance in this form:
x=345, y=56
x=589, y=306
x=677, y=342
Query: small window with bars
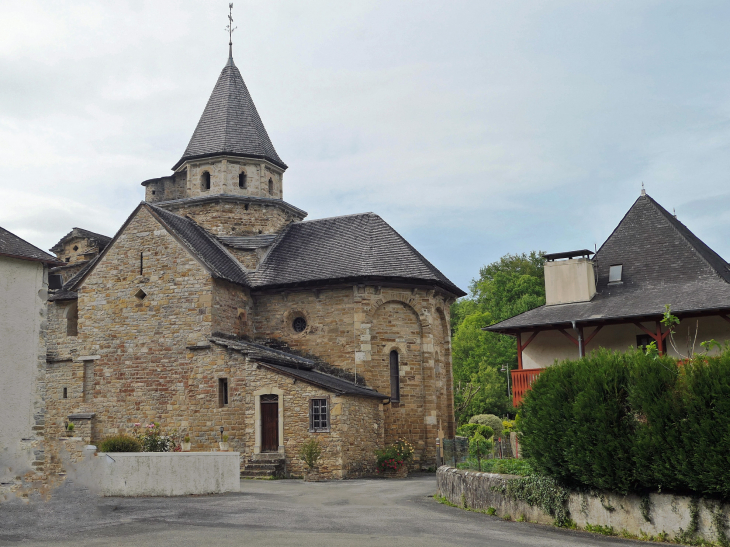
x=222, y=392
x=319, y=418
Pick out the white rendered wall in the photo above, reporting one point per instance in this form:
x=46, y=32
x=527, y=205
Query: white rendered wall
x=22, y=310
x=551, y=345
x=168, y=473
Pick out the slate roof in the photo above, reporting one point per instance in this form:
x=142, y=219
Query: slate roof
x=345, y=248
x=248, y=242
x=204, y=246
x=15, y=247
x=230, y=124
x=663, y=263
x=296, y=367
x=80, y=232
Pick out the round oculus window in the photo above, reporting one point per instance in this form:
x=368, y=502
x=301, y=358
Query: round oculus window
x=299, y=324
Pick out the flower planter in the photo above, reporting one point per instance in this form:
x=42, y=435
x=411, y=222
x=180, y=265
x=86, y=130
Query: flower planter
x=401, y=473
x=186, y=447
x=313, y=475
x=223, y=446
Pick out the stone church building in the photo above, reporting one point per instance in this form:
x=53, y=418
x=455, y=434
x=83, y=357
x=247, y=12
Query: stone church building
x=216, y=305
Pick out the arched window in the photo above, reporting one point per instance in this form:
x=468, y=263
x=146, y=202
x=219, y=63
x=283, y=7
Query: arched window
x=205, y=180
x=72, y=319
x=242, y=180
x=271, y=187
x=394, y=377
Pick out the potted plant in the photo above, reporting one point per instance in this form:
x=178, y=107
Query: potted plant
x=70, y=429
x=310, y=453
x=392, y=461
x=186, y=444
x=224, y=443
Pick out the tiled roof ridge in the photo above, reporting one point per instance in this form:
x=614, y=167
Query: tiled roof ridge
x=84, y=233
x=161, y=213
x=25, y=250
x=704, y=251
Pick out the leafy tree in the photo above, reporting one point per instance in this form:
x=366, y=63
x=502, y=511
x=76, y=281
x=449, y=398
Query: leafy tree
x=479, y=447
x=512, y=285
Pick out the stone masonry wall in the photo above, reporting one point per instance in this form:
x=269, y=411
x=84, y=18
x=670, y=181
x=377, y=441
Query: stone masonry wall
x=355, y=328
x=224, y=177
x=134, y=349
x=226, y=218
x=348, y=448
x=232, y=308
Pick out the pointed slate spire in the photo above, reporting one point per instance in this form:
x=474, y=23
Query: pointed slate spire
x=230, y=124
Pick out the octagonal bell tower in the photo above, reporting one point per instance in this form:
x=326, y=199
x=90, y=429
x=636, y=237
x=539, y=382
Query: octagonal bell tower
x=229, y=153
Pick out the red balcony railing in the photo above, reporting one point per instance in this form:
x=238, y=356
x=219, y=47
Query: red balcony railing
x=521, y=382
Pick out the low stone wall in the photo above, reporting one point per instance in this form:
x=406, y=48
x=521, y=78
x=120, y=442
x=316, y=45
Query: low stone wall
x=167, y=473
x=668, y=516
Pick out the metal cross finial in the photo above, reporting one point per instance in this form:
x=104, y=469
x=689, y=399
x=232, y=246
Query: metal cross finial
x=230, y=28
x=643, y=190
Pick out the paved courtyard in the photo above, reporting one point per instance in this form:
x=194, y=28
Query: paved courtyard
x=278, y=513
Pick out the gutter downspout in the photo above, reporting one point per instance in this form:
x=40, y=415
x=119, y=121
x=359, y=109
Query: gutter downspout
x=580, y=339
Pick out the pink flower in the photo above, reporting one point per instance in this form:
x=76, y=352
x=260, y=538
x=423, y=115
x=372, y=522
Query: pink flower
x=137, y=424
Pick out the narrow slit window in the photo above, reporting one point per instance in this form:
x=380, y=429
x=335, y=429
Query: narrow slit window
x=222, y=392
x=65, y=393
x=141, y=263
x=319, y=415
x=205, y=180
x=394, y=377
x=271, y=187
x=242, y=180
x=614, y=273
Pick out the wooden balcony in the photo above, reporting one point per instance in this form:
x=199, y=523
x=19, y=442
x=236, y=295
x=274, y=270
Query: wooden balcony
x=521, y=382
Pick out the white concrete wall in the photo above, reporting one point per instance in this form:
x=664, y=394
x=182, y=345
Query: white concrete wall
x=168, y=473
x=22, y=314
x=569, y=281
x=551, y=345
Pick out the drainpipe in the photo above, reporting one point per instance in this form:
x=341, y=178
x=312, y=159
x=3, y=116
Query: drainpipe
x=580, y=339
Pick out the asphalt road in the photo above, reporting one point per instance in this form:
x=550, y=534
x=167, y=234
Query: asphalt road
x=285, y=513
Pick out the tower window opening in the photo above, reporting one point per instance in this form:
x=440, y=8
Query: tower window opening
x=65, y=393
x=394, y=377
x=242, y=180
x=271, y=187
x=205, y=180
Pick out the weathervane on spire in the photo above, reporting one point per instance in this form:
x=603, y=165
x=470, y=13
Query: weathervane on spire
x=230, y=28
x=643, y=190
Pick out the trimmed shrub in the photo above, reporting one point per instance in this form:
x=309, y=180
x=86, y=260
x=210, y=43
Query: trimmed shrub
x=120, y=443
x=632, y=422
x=469, y=430
x=491, y=420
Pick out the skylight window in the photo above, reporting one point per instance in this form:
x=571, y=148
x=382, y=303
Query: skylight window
x=614, y=273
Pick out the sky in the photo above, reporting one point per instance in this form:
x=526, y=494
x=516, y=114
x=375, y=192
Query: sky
x=474, y=128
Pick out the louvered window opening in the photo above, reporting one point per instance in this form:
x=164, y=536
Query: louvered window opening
x=319, y=415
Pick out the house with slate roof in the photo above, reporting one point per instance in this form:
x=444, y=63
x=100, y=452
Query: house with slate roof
x=23, y=292
x=617, y=299
x=217, y=307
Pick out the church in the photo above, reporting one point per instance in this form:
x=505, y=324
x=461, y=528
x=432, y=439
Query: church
x=218, y=309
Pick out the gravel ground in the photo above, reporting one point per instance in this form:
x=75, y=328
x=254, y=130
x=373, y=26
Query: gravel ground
x=373, y=512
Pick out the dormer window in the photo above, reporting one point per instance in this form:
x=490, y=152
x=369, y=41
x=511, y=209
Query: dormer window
x=242, y=180
x=614, y=273
x=271, y=187
x=205, y=180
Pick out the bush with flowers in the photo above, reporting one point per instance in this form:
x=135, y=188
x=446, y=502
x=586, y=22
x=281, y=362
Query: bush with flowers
x=394, y=457
x=154, y=439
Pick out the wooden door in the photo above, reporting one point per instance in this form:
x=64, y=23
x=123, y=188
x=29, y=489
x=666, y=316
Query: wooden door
x=269, y=423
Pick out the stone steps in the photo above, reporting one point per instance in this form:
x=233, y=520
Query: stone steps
x=263, y=467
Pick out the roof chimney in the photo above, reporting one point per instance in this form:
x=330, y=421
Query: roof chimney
x=569, y=277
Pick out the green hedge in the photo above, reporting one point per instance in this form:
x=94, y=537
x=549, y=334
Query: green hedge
x=120, y=443
x=631, y=422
